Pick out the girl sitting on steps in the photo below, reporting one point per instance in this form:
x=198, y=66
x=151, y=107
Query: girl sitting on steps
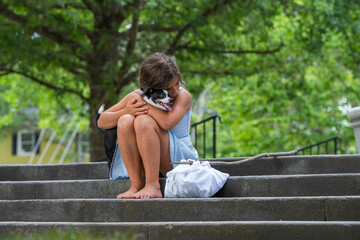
x=148, y=138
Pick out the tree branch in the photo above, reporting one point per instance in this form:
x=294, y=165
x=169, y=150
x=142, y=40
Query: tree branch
x=68, y=5
x=89, y=5
x=149, y=28
x=260, y=52
x=46, y=84
x=5, y=73
x=134, y=29
x=187, y=26
x=211, y=73
x=126, y=80
x=154, y=28
x=224, y=73
x=131, y=43
x=64, y=60
x=107, y=15
x=55, y=36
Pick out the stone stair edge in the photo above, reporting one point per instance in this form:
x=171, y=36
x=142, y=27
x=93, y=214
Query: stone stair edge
x=190, y=223
x=329, y=156
x=280, y=176
x=203, y=230
x=320, y=156
x=237, y=186
x=345, y=229
x=185, y=200
x=254, y=209
x=54, y=164
x=192, y=199
x=163, y=179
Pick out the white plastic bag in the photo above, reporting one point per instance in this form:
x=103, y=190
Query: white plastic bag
x=198, y=180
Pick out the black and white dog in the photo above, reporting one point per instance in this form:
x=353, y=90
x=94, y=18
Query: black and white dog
x=157, y=97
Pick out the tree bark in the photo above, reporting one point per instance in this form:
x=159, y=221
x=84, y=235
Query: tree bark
x=98, y=97
x=96, y=139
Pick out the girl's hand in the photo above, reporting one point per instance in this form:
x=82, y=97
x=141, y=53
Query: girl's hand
x=135, y=107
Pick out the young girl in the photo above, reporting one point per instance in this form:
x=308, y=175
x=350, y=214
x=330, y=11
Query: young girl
x=148, y=138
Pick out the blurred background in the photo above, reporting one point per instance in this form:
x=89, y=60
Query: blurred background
x=280, y=74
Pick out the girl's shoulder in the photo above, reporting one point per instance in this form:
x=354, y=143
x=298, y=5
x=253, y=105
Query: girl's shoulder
x=184, y=92
x=181, y=89
x=135, y=93
x=185, y=97
x=138, y=91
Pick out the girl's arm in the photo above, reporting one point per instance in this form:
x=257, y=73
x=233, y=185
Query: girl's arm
x=168, y=121
x=130, y=104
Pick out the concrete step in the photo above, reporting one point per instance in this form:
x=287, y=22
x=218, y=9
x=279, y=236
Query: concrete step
x=58, y=189
x=292, y=185
x=296, y=197
x=72, y=171
x=313, y=164
x=306, y=164
x=330, y=208
x=202, y=230
x=241, y=186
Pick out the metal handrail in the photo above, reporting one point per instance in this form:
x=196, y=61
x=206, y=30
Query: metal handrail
x=337, y=142
x=203, y=122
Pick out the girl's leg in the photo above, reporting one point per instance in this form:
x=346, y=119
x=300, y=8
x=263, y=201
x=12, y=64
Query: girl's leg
x=153, y=145
x=130, y=154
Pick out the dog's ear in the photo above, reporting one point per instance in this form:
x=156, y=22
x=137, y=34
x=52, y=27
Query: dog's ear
x=148, y=92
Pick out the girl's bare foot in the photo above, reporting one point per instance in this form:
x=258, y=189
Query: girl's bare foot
x=149, y=191
x=133, y=189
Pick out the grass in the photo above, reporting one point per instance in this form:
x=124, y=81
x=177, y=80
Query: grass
x=71, y=235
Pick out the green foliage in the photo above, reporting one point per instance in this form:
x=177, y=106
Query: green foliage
x=299, y=101
x=282, y=74
x=292, y=98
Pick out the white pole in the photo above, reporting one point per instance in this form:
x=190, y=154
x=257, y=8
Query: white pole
x=70, y=140
x=68, y=145
x=36, y=147
x=46, y=149
x=61, y=141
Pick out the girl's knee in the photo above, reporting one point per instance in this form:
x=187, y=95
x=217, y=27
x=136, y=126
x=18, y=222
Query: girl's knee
x=125, y=123
x=143, y=123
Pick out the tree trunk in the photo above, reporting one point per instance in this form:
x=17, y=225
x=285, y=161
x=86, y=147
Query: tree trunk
x=96, y=139
x=98, y=96
x=102, y=66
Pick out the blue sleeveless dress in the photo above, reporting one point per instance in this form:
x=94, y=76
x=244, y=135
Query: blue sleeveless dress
x=180, y=147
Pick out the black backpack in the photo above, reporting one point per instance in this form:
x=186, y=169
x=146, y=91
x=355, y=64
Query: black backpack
x=110, y=136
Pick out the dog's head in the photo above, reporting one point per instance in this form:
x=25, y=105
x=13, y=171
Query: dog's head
x=159, y=98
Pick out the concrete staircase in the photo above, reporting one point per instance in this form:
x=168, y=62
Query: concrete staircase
x=298, y=197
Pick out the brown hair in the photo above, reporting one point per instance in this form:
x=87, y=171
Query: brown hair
x=157, y=71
